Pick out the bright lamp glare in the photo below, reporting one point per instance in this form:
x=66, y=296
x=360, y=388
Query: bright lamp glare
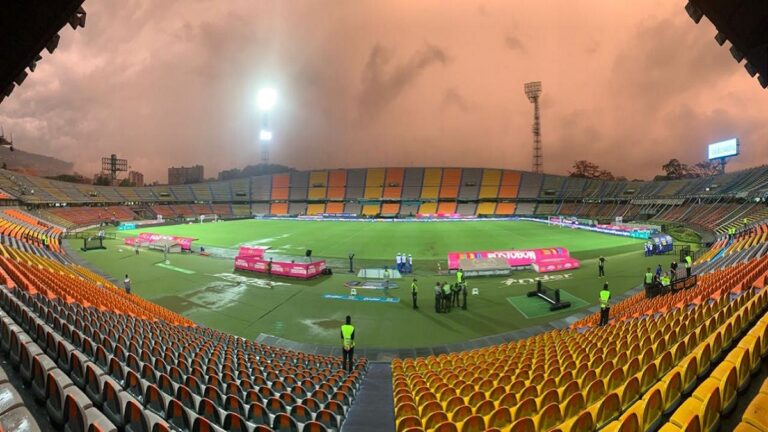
x=265, y=135
x=266, y=99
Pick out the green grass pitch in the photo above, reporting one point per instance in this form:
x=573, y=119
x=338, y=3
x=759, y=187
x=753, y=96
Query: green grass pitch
x=207, y=290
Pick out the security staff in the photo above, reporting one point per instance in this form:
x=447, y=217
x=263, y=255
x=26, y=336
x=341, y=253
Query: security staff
x=605, y=305
x=386, y=278
x=464, y=294
x=414, y=293
x=648, y=283
x=459, y=276
x=438, y=298
x=455, y=290
x=348, y=344
x=688, y=264
x=446, y=297
x=601, y=266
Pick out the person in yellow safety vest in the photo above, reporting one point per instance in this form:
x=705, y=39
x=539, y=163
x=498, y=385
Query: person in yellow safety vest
x=605, y=305
x=348, y=344
x=446, y=297
x=665, y=280
x=688, y=264
x=459, y=276
x=414, y=293
x=648, y=283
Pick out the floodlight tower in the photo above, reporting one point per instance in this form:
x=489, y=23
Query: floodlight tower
x=265, y=99
x=533, y=91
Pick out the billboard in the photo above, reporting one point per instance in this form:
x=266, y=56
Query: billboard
x=724, y=149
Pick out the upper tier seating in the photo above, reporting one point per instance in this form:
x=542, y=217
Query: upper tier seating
x=93, y=215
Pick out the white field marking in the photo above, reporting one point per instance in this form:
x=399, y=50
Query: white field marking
x=248, y=281
x=532, y=280
x=262, y=241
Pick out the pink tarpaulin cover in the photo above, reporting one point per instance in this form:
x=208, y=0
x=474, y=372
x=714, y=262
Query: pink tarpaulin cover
x=185, y=242
x=519, y=258
x=298, y=270
x=254, y=251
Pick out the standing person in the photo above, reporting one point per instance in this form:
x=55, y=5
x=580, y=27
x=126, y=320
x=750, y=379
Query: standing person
x=455, y=290
x=136, y=248
x=438, y=297
x=464, y=294
x=674, y=269
x=348, y=344
x=459, y=276
x=398, y=259
x=269, y=267
x=127, y=284
x=605, y=305
x=410, y=263
x=446, y=297
x=688, y=264
x=601, y=266
x=659, y=271
x=414, y=293
x=648, y=283
x=386, y=275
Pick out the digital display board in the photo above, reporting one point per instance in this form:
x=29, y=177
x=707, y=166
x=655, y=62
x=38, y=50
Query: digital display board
x=724, y=149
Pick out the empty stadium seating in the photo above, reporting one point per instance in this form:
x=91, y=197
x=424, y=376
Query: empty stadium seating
x=99, y=359
x=654, y=363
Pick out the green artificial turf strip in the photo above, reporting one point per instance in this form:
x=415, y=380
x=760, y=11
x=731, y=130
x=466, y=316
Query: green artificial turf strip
x=534, y=307
x=250, y=304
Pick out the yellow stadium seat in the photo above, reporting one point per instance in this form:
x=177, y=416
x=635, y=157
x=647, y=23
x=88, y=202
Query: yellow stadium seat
x=606, y=410
x=408, y=422
x=628, y=423
x=474, y=423
x=629, y=392
x=754, y=345
x=435, y=419
x=573, y=406
x=741, y=359
x=525, y=424
x=485, y=408
x=549, y=417
x=461, y=413
x=746, y=427
x=756, y=413
x=726, y=375
x=580, y=423
x=446, y=427
x=501, y=418
x=707, y=410
x=526, y=408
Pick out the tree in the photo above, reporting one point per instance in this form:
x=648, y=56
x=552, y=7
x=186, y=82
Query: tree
x=102, y=180
x=706, y=169
x=586, y=169
x=675, y=169
x=126, y=182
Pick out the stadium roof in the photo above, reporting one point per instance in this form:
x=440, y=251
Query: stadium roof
x=743, y=23
x=28, y=27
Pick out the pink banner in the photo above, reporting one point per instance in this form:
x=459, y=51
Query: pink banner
x=185, y=242
x=515, y=258
x=439, y=215
x=556, y=264
x=297, y=270
x=253, y=251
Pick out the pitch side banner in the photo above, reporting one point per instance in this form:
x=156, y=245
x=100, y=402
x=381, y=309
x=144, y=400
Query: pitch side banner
x=515, y=258
x=185, y=242
x=297, y=270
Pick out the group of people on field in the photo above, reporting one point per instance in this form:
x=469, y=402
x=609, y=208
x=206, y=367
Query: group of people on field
x=448, y=296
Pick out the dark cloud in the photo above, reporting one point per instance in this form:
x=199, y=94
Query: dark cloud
x=382, y=85
x=453, y=99
x=514, y=44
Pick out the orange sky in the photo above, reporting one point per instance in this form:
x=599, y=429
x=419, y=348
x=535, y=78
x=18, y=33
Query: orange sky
x=628, y=85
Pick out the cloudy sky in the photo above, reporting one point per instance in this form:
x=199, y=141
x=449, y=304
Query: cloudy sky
x=628, y=85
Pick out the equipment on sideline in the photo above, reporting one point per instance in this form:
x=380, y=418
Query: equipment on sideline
x=551, y=296
x=92, y=243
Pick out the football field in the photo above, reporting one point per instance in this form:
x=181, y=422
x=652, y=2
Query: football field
x=208, y=291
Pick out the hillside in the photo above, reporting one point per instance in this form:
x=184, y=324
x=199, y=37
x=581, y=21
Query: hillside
x=34, y=164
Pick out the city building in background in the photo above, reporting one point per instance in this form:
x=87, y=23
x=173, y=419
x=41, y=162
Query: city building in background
x=184, y=175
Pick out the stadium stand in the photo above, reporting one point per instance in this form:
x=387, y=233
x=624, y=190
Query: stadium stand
x=624, y=376
x=374, y=184
x=449, y=185
x=262, y=188
x=486, y=208
x=299, y=186
x=279, y=209
x=59, y=326
x=337, y=182
x=390, y=209
x=280, y=187
x=393, y=185
x=371, y=209
x=431, y=187
x=428, y=208
x=530, y=185
x=466, y=209
x=315, y=209
x=334, y=207
x=318, y=185
x=355, y=184
x=489, y=187
x=297, y=208
x=412, y=183
x=470, y=184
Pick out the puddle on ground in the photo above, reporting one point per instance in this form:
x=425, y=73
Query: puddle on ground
x=322, y=326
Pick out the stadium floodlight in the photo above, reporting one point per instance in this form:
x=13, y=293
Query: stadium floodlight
x=265, y=135
x=266, y=99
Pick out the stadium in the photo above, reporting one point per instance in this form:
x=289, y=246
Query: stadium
x=483, y=298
